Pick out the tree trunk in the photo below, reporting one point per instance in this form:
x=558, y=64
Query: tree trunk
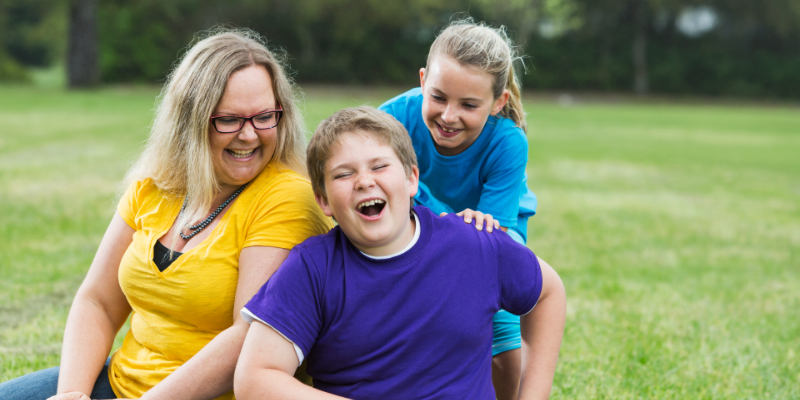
x=83, y=68
x=640, y=84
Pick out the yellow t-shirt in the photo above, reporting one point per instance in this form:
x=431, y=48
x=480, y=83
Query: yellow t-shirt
x=178, y=311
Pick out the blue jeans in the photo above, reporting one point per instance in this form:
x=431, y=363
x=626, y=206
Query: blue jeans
x=42, y=384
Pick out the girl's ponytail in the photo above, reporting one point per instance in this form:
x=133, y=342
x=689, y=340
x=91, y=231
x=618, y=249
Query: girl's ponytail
x=513, y=108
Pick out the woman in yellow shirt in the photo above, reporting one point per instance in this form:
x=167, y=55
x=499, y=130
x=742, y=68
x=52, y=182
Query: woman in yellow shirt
x=212, y=208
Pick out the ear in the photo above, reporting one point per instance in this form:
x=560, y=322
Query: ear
x=413, y=181
x=324, y=205
x=500, y=102
x=422, y=78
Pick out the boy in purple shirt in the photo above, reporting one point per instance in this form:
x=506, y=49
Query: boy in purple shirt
x=395, y=302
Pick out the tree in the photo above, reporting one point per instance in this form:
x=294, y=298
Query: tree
x=83, y=68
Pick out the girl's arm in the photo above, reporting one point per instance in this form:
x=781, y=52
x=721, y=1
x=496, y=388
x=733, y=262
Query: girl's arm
x=97, y=313
x=542, y=331
x=266, y=368
x=209, y=374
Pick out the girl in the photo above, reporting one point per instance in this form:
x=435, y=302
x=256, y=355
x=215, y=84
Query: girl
x=468, y=129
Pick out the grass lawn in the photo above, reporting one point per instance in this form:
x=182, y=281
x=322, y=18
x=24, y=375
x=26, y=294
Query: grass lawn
x=676, y=230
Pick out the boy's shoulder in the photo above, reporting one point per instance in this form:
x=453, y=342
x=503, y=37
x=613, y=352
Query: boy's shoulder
x=450, y=231
x=320, y=244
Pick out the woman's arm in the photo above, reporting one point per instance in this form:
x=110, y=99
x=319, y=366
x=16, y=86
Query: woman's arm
x=542, y=331
x=209, y=374
x=266, y=368
x=98, y=311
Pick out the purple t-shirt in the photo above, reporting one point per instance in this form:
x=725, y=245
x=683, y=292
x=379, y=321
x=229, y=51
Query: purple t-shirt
x=418, y=325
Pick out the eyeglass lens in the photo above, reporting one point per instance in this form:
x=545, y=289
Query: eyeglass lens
x=265, y=120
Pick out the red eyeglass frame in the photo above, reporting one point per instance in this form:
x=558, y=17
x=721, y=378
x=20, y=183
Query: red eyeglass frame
x=278, y=110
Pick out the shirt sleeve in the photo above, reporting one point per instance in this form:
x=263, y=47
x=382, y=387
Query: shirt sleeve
x=519, y=276
x=501, y=192
x=289, y=301
x=128, y=205
x=249, y=317
x=285, y=216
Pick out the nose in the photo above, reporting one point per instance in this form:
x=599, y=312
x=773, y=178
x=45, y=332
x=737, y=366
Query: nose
x=248, y=132
x=364, y=181
x=449, y=115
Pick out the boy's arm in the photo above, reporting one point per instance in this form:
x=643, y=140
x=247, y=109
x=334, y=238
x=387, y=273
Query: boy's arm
x=266, y=367
x=542, y=331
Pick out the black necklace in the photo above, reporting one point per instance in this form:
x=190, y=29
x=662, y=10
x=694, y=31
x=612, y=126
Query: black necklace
x=204, y=223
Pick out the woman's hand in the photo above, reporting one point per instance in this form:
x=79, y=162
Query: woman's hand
x=70, y=396
x=479, y=217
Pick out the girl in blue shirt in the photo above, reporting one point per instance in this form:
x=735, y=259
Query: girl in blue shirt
x=469, y=133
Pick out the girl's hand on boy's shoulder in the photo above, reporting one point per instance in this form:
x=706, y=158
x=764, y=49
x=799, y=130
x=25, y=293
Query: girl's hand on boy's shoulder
x=479, y=218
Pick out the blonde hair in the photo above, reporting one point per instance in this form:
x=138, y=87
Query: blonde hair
x=177, y=155
x=489, y=50
x=364, y=119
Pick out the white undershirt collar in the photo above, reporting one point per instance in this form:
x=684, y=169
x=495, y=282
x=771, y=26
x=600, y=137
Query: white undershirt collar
x=410, y=245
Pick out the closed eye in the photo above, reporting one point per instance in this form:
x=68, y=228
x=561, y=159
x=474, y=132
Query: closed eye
x=228, y=120
x=342, y=175
x=470, y=106
x=377, y=167
x=437, y=98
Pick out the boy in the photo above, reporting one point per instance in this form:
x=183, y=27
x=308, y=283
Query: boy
x=393, y=304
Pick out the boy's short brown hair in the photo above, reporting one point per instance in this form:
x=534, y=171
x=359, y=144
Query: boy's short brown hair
x=382, y=126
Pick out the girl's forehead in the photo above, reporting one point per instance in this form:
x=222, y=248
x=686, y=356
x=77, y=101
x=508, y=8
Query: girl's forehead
x=450, y=77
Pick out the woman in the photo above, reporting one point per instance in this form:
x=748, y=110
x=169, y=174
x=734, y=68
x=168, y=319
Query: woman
x=211, y=210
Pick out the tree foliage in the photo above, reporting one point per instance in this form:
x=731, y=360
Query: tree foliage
x=754, y=50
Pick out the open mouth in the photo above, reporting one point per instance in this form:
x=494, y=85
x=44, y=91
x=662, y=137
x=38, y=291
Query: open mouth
x=371, y=208
x=241, y=153
x=449, y=132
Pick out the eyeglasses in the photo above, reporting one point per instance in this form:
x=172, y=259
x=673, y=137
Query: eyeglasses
x=234, y=123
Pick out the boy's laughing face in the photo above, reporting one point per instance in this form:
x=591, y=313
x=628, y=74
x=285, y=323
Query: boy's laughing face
x=369, y=194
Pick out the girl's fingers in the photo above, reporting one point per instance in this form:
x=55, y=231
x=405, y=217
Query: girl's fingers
x=467, y=214
x=490, y=223
x=479, y=217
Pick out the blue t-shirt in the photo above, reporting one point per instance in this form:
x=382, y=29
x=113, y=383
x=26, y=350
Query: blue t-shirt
x=489, y=176
x=406, y=327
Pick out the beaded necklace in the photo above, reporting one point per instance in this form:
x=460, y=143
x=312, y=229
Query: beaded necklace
x=204, y=223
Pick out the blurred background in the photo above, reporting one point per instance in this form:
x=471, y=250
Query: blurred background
x=664, y=148
x=737, y=48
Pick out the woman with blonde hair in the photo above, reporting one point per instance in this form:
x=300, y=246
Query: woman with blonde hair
x=212, y=207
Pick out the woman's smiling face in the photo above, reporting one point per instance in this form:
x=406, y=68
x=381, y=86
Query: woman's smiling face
x=240, y=156
x=457, y=101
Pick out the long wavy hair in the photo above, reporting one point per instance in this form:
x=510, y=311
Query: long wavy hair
x=489, y=50
x=177, y=155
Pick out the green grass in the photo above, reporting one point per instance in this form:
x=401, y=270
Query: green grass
x=676, y=230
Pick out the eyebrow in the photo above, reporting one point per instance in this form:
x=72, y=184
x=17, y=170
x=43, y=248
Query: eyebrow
x=473, y=99
x=230, y=114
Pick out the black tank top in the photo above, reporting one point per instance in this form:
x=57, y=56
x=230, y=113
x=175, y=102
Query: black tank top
x=161, y=256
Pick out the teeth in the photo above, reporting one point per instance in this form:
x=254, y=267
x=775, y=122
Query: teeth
x=447, y=130
x=370, y=203
x=241, y=153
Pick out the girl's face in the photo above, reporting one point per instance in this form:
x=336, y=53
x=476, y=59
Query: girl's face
x=457, y=101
